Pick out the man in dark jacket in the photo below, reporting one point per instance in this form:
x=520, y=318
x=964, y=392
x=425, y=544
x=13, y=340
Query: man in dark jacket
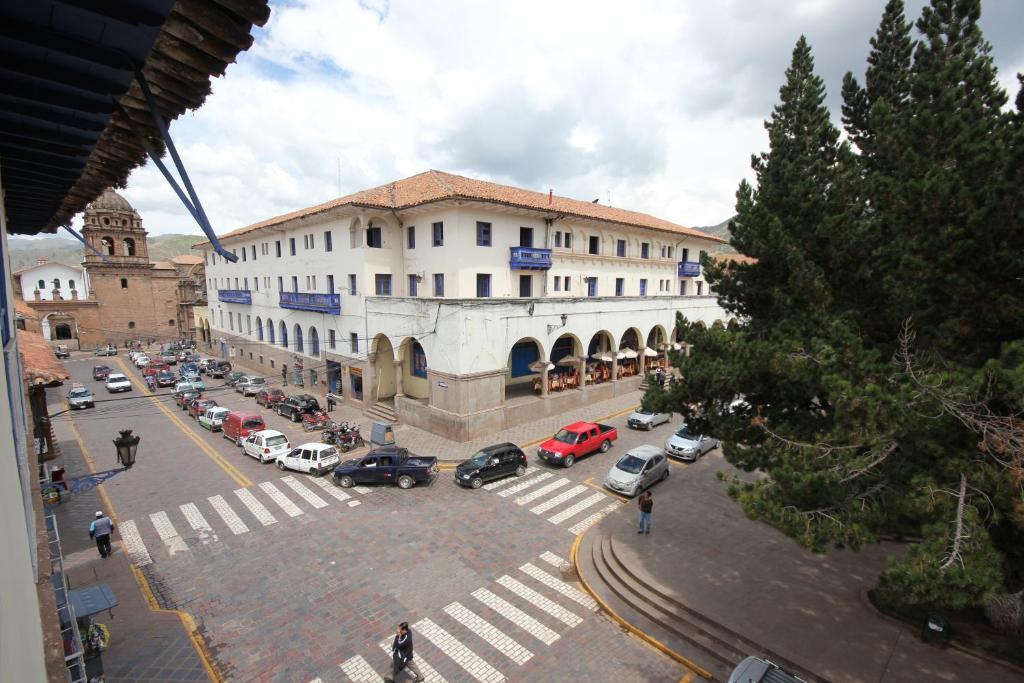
x=100, y=530
x=646, y=503
x=401, y=653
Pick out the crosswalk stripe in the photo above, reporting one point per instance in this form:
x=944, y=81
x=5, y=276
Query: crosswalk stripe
x=557, y=584
x=542, y=491
x=585, y=524
x=282, y=500
x=430, y=674
x=310, y=497
x=168, y=534
x=525, y=484
x=516, y=616
x=559, y=499
x=507, y=480
x=332, y=490
x=554, y=560
x=317, y=680
x=462, y=655
x=358, y=670
x=482, y=628
x=539, y=601
x=233, y=521
x=258, y=510
x=362, y=490
x=199, y=524
x=133, y=544
x=577, y=508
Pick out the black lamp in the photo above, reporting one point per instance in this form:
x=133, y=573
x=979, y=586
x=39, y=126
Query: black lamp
x=127, y=445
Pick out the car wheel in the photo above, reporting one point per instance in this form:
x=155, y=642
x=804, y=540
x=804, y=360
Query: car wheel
x=238, y=441
x=280, y=465
x=521, y=470
x=665, y=475
x=477, y=482
x=605, y=445
x=344, y=482
x=569, y=461
x=295, y=416
x=405, y=482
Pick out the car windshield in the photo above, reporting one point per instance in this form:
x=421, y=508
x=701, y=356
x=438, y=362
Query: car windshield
x=101, y=368
x=630, y=463
x=644, y=412
x=479, y=459
x=257, y=380
x=277, y=440
x=686, y=433
x=565, y=436
x=77, y=393
x=252, y=423
x=116, y=378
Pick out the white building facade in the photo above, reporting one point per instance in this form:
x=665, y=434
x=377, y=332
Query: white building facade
x=464, y=306
x=53, y=281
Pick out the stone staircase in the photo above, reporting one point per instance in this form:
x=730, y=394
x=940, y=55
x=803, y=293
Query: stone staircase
x=650, y=608
x=382, y=411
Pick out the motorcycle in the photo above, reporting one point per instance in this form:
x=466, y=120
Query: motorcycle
x=318, y=419
x=343, y=436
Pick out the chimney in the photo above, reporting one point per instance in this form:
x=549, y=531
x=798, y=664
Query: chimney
x=551, y=197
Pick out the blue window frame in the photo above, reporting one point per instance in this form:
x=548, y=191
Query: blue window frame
x=413, y=286
x=620, y=248
x=410, y=237
x=328, y=242
x=643, y=287
x=352, y=284
x=438, y=284
x=299, y=346
x=314, y=341
x=591, y=286
x=330, y=284
x=483, y=285
x=483, y=234
x=438, y=234
x=291, y=246
x=419, y=360
x=295, y=283
x=558, y=239
x=620, y=286
x=382, y=284
x=373, y=238
x=645, y=250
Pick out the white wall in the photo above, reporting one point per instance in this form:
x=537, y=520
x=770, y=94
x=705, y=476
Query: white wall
x=47, y=272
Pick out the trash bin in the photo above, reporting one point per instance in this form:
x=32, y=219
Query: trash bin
x=382, y=434
x=936, y=629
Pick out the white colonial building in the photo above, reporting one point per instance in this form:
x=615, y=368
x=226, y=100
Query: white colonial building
x=461, y=305
x=50, y=281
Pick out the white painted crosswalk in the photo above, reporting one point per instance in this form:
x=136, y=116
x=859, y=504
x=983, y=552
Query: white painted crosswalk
x=523, y=485
x=307, y=495
x=283, y=502
x=331, y=490
x=559, y=499
x=430, y=674
x=229, y=516
x=168, y=534
x=550, y=495
x=471, y=662
x=359, y=670
x=516, y=616
x=542, y=491
x=480, y=627
x=198, y=523
x=540, y=601
x=133, y=544
x=498, y=483
x=560, y=586
x=587, y=502
x=258, y=510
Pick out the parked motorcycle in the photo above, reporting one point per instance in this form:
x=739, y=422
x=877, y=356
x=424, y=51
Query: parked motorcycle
x=318, y=419
x=343, y=436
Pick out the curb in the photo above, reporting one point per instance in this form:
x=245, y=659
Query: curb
x=650, y=640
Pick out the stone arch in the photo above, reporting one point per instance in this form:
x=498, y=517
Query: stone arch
x=270, y=330
x=314, y=341
x=601, y=341
x=656, y=337
x=259, y=328
x=631, y=339
x=297, y=332
x=414, y=369
x=383, y=354
x=128, y=245
x=107, y=245
x=355, y=230
x=718, y=325
x=526, y=352
x=566, y=345
x=283, y=336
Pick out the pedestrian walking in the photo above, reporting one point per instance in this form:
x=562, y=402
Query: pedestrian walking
x=660, y=375
x=401, y=654
x=284, y=375
x=330, y=402
x=100, y=530
x=646, y=502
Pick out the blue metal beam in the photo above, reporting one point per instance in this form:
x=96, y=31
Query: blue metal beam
x=78, y=236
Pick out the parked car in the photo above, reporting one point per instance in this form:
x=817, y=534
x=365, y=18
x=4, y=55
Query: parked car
x=269, y=397
x=79, y=397
x=575, y=441
x=183, y=398
x=197, y=408
x=311, y=458
x=213, y=418
x=108, y=350
x=239, y=425
x=152, y=370
x=191, y=376
x=232, y=377
x=639, y=469
x=141, y=360
x=169, y=358
x=189, y=368
x=646, y=419
x=252, y=386
x=266, y=445
x=492, y=462
x=185, y=386
x=204, y=364
x=218, y=368
x=165, y=378
x=686, y=444
x=100, y=372
x=757, y=670
x=61, y=351
x=297, y=405
x=117, y=382
x=388, y=465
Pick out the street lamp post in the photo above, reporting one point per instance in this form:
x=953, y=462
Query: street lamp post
x=126, y=446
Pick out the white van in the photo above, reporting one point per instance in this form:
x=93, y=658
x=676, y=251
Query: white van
x=213, y=418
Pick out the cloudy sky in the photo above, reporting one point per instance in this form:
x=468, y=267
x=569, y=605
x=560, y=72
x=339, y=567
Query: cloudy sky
x=657, y=105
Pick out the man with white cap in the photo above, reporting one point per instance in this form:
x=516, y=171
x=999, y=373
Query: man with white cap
x=100, y=529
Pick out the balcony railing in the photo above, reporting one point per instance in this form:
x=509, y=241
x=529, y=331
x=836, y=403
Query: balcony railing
x=689, y=268
x=234, y=296
x=307, y=301
x=530, y=258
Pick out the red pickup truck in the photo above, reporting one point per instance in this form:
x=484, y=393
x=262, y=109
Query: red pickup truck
x=576, y=440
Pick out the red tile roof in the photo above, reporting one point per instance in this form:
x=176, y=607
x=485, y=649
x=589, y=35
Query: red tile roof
x=38, y=362
x=435, y=186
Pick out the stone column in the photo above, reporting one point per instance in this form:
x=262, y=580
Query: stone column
x=615, y=367
x=544, y=382
x=370, y=379
x=399, y=389
x=642, y=359
x=583, y=373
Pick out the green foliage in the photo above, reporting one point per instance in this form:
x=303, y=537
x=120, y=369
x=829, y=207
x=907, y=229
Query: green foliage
x=860, y=424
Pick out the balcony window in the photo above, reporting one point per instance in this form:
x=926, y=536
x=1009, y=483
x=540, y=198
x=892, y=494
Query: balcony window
x=700, y=288
x=256, y=283
x=295, y=283
x=558, y=283
x=277, y=248
x=291, y=246
x=483, y=234
x=280, y=283
x=245, y=254
x=252, y=250
x=620, y=248
x=525, y=237
x=410, y=237
x=643, y=286
x=328, y=241
x=645, y=250
x=312, y=242
x=413, y=286
x=483, y=285
x=568, y=240
x=670, y=250
x=245, y=283
x=558, y=239
x=595, y=245
x=331, y=339
x=438, y=284
x=525, y=285
x=438, y=234
x=567, y=281
x=330, y=284
x=236, y=283
x=382, y=284
x=685, y=256
x=353, y=342
x=373, y=238
x=591, y=286
x=352, y=285
x=620, y=286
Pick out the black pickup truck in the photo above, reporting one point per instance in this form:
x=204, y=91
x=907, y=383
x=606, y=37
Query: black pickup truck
x=386, y=465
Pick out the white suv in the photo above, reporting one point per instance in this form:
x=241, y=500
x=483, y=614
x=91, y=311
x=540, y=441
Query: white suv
x=312, y=458
x=266, y=445
x=118, y=382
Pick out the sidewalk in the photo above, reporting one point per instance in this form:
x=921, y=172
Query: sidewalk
x=145, y=645
x=708, y=580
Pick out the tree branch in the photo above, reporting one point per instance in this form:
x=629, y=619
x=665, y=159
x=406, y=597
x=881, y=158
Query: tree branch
x=959, y=535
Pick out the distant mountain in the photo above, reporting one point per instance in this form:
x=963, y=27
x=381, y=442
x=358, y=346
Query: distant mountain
x=25, y=252
x=720, y=230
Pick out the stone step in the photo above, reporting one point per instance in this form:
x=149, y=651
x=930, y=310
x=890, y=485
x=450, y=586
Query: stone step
x=381, y=412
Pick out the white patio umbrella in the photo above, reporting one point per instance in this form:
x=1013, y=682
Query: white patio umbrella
x=630, y=353
x=676, y=345
x=649, y=352
x=568, y=360
x=620, y=355
x=603, y=356
x=541, y=365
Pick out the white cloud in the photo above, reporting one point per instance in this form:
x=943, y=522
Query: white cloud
x=658, y=103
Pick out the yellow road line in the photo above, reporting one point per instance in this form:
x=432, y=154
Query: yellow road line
x=650, y=640
x=688, y=678
x=607, y=491
x=187, y=622
x=217, y=458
